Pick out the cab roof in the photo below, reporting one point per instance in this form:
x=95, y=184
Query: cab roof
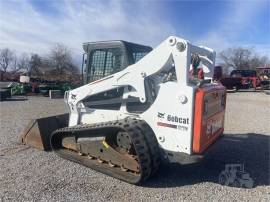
x=114, y=43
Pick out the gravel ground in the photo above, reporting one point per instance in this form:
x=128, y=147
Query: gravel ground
x=27, y=174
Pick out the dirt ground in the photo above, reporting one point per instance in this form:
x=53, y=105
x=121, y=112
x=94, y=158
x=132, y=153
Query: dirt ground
x=27, y=174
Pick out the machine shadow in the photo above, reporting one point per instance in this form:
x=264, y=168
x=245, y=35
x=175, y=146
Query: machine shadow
x=251, y=150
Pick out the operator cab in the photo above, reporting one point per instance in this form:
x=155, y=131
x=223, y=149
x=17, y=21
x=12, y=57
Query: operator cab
x=104, y=58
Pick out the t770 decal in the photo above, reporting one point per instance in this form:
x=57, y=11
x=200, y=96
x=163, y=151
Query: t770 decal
x=173, y=119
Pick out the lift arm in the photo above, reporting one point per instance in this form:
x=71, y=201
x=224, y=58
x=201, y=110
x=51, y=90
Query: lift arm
x=173, y=51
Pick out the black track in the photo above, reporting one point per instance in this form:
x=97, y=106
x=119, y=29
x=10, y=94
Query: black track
x=142, y=138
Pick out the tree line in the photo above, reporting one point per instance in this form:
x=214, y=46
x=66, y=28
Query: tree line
x=243, y=58
x=58, y=64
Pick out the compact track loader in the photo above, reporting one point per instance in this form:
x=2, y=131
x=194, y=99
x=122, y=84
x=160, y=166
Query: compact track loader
x=137, y=108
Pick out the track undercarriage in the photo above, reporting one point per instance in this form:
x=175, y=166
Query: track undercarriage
x=125, y=149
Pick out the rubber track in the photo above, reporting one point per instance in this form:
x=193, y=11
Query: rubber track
x=142, y=136
x=152, y=143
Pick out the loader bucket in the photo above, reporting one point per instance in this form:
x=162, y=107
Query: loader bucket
x=37, y=133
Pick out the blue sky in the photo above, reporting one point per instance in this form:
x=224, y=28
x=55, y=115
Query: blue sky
x=35, y=25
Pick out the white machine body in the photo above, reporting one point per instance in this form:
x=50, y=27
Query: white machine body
x=171, y=102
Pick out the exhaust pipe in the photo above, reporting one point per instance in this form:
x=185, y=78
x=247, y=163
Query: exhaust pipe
x=37, y=134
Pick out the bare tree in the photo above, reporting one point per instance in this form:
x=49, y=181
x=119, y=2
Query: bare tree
x=6, y=58
x=58, y=65
x=35, y=65
x=61, y=60
x=14, y=66
x=258, y=61
x=24, y=62
x=242, y=58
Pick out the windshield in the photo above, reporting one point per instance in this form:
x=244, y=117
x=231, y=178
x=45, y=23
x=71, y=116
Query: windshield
x=104, y=62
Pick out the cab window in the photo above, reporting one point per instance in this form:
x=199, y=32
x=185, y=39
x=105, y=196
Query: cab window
x=138, y=55
x=104, y=62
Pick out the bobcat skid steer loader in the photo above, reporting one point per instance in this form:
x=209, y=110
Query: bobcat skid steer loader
x=137, y=108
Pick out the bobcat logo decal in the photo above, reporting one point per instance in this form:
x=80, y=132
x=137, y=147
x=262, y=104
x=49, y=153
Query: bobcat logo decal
x=161, y=115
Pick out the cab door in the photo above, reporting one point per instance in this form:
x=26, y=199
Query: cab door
x=104, y=62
